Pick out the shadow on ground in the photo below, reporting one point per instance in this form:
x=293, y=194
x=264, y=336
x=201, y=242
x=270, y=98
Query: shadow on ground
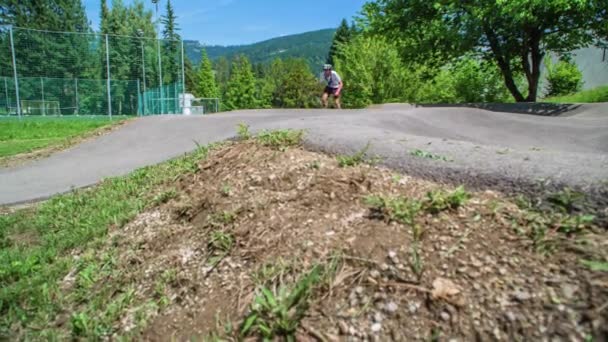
x=543, y=109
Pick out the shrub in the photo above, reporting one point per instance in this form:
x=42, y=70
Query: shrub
x=563, y=77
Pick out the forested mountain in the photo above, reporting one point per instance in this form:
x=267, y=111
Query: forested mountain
x=312, y=46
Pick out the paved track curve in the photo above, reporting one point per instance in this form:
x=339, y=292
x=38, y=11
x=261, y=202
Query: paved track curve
x=487, y=149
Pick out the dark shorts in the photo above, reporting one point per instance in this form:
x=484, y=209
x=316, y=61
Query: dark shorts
x=332, y=91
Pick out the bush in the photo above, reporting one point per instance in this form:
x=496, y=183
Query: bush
x=372, y=72
x=563, y=78
x=464, y=80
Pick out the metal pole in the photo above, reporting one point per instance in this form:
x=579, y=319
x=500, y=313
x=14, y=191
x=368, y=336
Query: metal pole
x=138, y=112
x=8, y=108
x=108, y=80
x=143, y=61
x=76, y=94
x=15, y=73
x=183, y=80
x=160, y=77
x=42, y=92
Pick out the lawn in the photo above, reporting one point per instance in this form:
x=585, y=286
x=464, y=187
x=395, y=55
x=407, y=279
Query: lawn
x=29, y=134
x=599, y=94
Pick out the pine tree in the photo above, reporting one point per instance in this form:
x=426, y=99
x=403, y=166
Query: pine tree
x=207, y=87
x=343, y=35
x=191, y=75
x=222, y=73
x=171, y=64
x=241, y=90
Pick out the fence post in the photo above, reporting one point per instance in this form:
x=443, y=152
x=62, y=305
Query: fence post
x=143, y=61
x=138, y=99
x=15, y=72
x=160, y=78
x=42, y=93
x=183, y=103
x=76, y=94
x=8, y=108
x=108, y=79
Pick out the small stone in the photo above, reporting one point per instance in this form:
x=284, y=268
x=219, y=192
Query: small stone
x=392, y=254
x=445, y=316
x=510, y=316
x=522, y=296
x=378, y=317
x=569, y=290
x=352, y=331
x=413, y=307
x=343, y=328
x=359, y=289
x=502, y=271
x=391, y=307
x=384, y=267
x=376, y=327
x=374, y=274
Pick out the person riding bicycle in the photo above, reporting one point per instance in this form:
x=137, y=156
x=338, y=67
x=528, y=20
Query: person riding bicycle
x=333, y=87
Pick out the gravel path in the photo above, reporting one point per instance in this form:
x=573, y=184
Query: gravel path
x=511, y=152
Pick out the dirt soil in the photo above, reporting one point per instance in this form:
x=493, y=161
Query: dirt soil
x=254, y=216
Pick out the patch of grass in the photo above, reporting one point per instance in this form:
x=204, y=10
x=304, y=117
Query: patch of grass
x=439, y=200
x=353, y=160
x=429, y=155
x=402, y=210
x=416, y=262
x=29, y=134
x=272, y=272
x=596, y=266
x=165, y=196
x=222, y=218
x=226, y=190
x=278, y=313
x=599, y=94
x=281, y=139
x=221, y=242
x=566, y=200
x=31, y=296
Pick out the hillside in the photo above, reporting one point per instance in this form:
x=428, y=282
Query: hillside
x=312, y=46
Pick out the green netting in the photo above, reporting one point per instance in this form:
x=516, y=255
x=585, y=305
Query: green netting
x=63, y=73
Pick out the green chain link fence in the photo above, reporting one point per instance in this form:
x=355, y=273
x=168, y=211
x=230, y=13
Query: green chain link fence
x=67, y=73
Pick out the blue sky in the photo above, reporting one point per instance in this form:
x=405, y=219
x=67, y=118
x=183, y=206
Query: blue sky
x=229, y=22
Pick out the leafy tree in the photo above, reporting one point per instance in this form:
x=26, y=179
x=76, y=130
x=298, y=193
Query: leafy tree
x=516, y=34
x=207, y=87
x=241, y=90
x=343, y=35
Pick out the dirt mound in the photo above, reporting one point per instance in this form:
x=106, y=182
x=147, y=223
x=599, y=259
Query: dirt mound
x=268, y=241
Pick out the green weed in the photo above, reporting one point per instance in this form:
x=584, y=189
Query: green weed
x=355, y=159
x=402, y=210
x=596, y=266
x=428, y=155
x=566, y=200
x=278, y=313
x=281, y=139
x=164, y=197
x=439, y=200
x=221, y=242
x=243, y=131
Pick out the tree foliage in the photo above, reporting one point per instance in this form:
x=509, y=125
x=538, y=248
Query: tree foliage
x=516, y=34
x=343, y=35
x=563, y=77
x=241, y=89
x=207, y=87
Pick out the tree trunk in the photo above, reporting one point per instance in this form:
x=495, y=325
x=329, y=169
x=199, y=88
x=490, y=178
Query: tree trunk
x=537, y=57
x=504, y=65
